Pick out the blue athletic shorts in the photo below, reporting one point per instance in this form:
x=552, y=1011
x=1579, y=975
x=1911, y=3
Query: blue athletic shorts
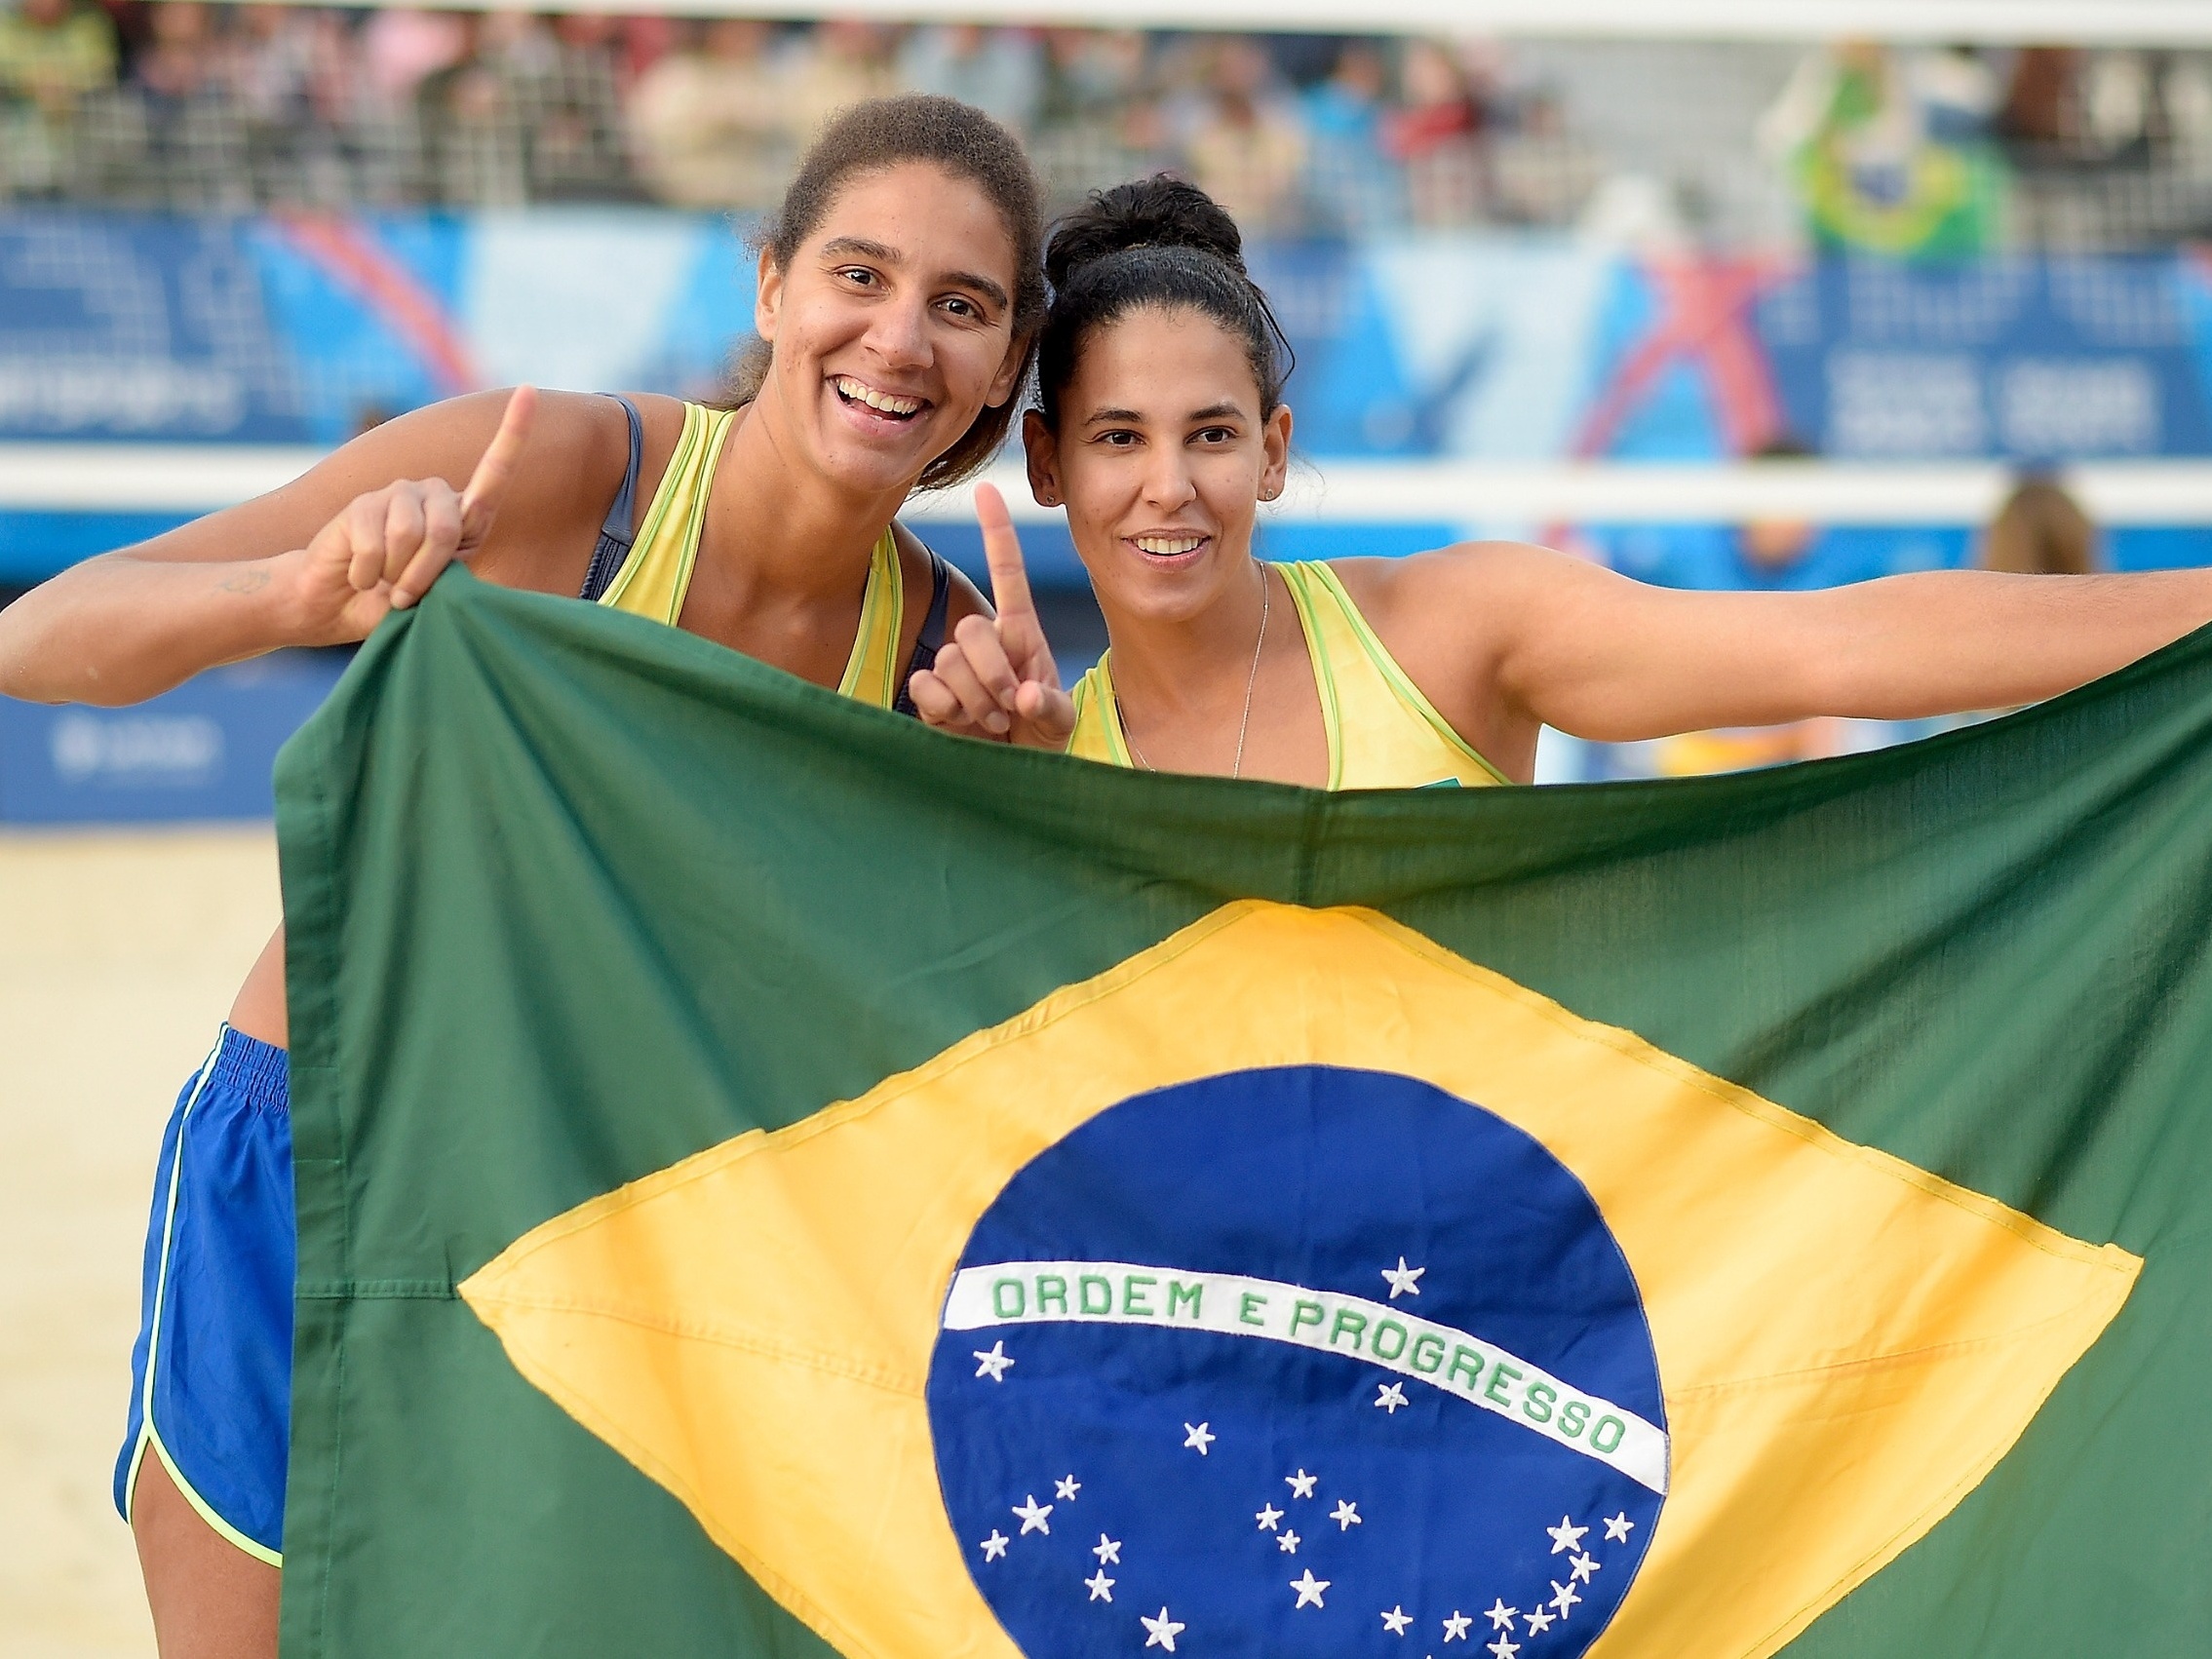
x=211, y=1375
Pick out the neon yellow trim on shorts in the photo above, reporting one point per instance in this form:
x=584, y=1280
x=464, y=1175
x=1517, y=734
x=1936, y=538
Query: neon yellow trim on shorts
x=224, y=1529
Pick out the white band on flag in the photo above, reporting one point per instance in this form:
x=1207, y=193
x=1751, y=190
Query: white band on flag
x=1228, y=1304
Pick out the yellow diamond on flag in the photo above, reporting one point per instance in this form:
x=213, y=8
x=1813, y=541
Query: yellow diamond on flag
x=1792, y=1356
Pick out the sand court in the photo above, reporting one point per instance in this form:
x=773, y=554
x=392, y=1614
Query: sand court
x=119, y=953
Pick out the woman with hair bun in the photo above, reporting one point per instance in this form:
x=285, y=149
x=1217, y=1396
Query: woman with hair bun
x=898, y=306
x=1160, y=426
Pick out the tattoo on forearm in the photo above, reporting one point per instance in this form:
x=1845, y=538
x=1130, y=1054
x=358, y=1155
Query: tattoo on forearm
x=245, y=582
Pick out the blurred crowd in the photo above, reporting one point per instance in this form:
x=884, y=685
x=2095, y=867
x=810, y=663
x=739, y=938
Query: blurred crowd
x=183, y=105
x=186, y=104
x=1953, y=150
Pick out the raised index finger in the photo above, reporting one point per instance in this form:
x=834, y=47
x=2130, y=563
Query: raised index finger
x=488, y=483
x=1002, y=552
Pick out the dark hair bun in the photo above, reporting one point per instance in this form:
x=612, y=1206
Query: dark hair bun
x=1160, y=211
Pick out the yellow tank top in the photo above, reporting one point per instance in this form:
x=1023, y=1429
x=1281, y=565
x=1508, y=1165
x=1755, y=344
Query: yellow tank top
x=654, y=579
x=1384, y=734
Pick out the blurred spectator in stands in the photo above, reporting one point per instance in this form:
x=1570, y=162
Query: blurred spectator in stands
x=1099, y=116
x=472, y=150
x=998, y=70
x=708, y=118
x=1437, y=134
x=194, y=133
x=1770, y=549
x=1777, y=549
x=1089, y=74
x=2119, y=106
x=402, y=48
x=53, y=54
x=1352, y=188
x=180, y=62
x=839, y=62
x=561, y=84
x=2041, y=531
x=2188, y=86
x=1889, y=151
x=1247, y=144
x=2041, y=107
x=288, y=73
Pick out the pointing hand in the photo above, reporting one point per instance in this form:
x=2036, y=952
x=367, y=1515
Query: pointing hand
x=995, y=678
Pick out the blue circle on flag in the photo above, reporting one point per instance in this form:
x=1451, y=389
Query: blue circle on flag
x=1300, y=1361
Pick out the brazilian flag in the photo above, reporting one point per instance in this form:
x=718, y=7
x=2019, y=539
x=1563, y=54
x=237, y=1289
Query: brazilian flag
x=776, y=1181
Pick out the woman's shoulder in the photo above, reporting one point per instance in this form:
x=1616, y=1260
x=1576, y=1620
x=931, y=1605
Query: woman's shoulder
x=1439, y=585
x=565, y=479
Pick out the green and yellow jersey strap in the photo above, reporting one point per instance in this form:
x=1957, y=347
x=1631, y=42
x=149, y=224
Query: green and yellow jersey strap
x=873, y=670
x=1383, y=733
x=1098, y=734
x=657, y=575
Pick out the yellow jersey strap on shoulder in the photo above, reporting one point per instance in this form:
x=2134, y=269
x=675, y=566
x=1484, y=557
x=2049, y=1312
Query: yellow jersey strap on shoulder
x=872, y=672
x=657, y=575
x=655, y=578
x=1098, y=734
x=1384, y=733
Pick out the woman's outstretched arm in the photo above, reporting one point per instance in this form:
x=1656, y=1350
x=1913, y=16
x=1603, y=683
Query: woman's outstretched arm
x=315, y=563
x=1594, y=654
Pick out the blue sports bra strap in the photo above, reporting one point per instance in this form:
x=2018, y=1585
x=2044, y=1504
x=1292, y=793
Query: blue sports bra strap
x=621, y=525
x=931, y=639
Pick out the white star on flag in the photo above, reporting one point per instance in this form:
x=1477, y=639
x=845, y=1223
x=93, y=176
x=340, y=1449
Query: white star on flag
x=1108, y=1550
x=1540, y=1621
x=1505, y=1647
x=1308, y=1589
x=1500, y=1616
x=1346, y=1515
x=1580, y=1567
x=1160, y=1632
x=1267, y=1517
x=1067, y=1489
x=992, y=1362
x=1563, y=1596
x=1618, y=1528
x=1455, y=1627
x=1404, y=1281
x=1396, y=1620
x=1197, y=1435
x=1300, y=1484
x=1390, y=1396
x=1033, y=1516
x=1287, y=1543
x=995, y=1546
x=1565, y=1535
x=1100, y=1586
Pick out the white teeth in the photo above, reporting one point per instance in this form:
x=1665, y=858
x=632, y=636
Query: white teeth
x=874, y=400
x=1169, y=546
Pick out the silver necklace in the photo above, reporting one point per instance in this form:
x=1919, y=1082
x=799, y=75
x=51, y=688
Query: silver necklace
x=1251, y=679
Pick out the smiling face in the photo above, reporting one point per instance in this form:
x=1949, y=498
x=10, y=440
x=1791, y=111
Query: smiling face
x=892, y=326
x=1162, y=458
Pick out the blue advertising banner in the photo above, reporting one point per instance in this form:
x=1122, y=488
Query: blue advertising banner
x=2034, y=360
x=302, y=327
x=202, y=751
